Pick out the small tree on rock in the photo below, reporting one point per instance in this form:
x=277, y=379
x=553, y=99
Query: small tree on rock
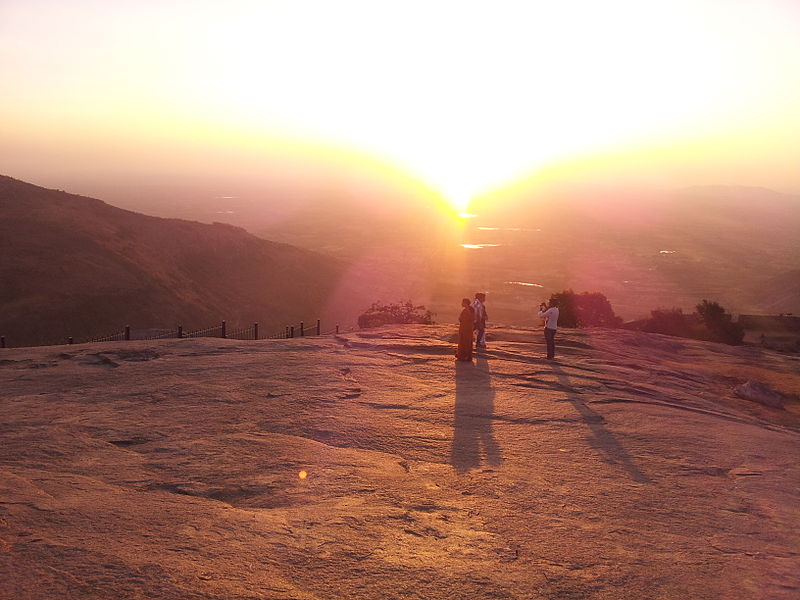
x=672, y=321
x=710, y=322
x=587, y=309
x=720, y=324
x=402, y=312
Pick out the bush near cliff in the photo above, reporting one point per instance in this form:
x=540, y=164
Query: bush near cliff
x=673, y=321
x=720, y=324
x=585, y=309
x=402, y=312
x=710, y=323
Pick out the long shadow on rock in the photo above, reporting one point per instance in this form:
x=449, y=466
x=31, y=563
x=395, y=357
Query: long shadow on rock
x=472, y=425
x=601, y=439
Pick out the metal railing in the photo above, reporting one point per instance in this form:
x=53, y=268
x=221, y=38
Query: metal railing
x=250, y=332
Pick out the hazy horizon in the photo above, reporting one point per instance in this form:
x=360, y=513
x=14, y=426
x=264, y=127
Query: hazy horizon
x=374, y=133
x=452, y=100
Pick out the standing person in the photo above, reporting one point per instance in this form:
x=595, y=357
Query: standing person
x=550, y=316
x=479, y=304
x=466, y=325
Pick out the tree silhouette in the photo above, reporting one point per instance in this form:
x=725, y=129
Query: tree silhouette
x=710, y=322
x=402, y=312
x=720, y=324
x=586, y=309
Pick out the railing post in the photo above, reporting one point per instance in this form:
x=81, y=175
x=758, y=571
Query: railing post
x=317, y=326
x=180, y=331
x=2, y=341
x=69, y=340
x=302, y=329
x=337, y=329
x=291, y=331
x=287, y=331
x=224, y=330
x=127, y=333
x=255, y=331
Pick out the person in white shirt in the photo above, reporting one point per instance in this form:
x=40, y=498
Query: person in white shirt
x=550, y=316
x=480, y=320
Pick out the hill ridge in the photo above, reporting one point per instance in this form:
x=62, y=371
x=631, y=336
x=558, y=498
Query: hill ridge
x=76, y=266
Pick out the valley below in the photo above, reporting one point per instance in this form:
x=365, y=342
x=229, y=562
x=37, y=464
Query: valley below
x=332, y=260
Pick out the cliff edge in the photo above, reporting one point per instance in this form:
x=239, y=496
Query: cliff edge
x=369, y=465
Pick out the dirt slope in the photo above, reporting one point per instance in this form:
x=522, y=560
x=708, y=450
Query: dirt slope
x=76, y=266
x=626, y=469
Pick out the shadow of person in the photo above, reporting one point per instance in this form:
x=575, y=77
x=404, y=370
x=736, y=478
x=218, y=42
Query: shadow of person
x=601, y=438
x=473, y=439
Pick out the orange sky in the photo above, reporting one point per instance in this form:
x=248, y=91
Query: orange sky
x=463, y=96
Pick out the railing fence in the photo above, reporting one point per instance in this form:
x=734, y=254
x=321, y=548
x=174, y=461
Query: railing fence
x=250, y=332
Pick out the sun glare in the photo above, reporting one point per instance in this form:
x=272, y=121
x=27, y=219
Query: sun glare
x=463, y=95
x=472, y=96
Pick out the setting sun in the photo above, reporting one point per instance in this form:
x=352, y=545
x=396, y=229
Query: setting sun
x=463, y=96
x=469, y=96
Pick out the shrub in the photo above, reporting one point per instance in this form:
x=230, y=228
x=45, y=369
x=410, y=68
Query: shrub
x=403, y=312
x=710, y=322
x=720, y=324
x=586, y=309
x=672, y=321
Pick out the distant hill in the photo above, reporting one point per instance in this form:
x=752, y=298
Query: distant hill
x=642, y=249
x=72, y=265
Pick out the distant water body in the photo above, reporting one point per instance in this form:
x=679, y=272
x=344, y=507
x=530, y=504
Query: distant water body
x=501, y=236
x=506, y=229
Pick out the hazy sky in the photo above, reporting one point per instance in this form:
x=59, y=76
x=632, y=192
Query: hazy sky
x=463, y=95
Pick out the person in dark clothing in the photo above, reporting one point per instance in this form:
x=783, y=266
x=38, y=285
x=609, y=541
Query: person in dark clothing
x=466, y=326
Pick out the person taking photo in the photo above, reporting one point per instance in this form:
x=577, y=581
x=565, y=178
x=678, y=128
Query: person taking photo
x=550, y=316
